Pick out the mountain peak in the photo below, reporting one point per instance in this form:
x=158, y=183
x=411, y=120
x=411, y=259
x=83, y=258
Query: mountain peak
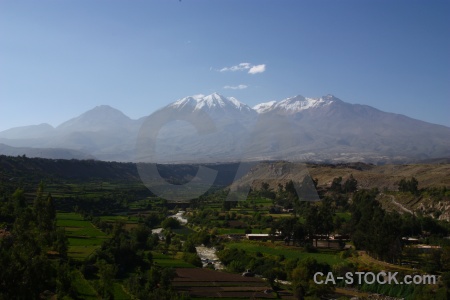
x=104, y=108
x=212, y=102
x=264, y=107
x=295, y=104
x=99, y=118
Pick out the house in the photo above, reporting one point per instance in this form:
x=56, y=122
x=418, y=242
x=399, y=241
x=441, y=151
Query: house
x=426, y=248
x=333, y=244
x=257, y=236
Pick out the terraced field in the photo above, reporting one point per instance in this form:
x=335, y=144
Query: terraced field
x=206, y=283
x=83, y=237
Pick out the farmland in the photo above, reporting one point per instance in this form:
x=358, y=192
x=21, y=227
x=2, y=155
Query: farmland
x=327, y=256
x=204, y=283
x=102, y=238
x=83, y=237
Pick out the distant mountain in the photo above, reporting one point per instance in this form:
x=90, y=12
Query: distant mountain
x=28, y=132
x=328, y=129
x=103, y=132
x=54, y=153
x=215, y=128
x=101, y=118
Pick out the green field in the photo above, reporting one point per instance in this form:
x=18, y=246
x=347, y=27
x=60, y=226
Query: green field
x=83, y=237
x=329, y=256
x=345, y=215
x=120, y=293
x=183, y=230
x=83, y=288
x=124, y=218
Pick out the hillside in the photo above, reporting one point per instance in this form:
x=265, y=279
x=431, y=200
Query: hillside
x=22, y=168
x=368, y=176
x=36, y=169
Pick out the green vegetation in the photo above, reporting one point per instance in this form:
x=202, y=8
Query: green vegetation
x=83, y=237
x=275, y=251
x=90, y=237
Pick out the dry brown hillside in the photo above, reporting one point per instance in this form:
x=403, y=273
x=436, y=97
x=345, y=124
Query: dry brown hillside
x=368, y=176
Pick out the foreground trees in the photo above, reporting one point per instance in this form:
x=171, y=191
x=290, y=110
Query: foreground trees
x=26, y=268
x=375, y=230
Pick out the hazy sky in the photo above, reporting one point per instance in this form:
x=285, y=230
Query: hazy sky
x=61, y=58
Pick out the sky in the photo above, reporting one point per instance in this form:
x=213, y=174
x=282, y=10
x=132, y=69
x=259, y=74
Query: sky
x=59, y=59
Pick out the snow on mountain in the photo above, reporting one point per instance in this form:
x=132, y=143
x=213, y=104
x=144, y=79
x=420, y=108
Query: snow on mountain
x=213, y=102
x=264, y=107
x=320, y=129
x=295, y=104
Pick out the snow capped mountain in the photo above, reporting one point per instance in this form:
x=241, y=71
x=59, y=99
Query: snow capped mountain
x=295, y=104
x=211, y=103
x=296, y=128
x=217, y=102
x=264, y=107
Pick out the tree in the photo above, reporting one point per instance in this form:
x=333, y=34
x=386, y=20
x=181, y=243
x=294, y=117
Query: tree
x=319, y=220
x=312, y=221
x=302, y=276
x=299, y=233
x=64, y=281
x=373, y=229
x=19, y=200
x=227, y=205
x=408, y=185
x=286, y=227
x=106, y=273
x=291, y=192
x=61, y=244
x=266, y=191
x=350, y=185
x=171, y=223
x=336, y=185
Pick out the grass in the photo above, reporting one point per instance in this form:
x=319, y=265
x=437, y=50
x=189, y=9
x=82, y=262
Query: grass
x=126, y=219
x=120, y=293
x=81, y=252
x=83, y=288
x=83, y=237
x=184, y=231
x=345, y=215
x=328, y=257
x=230, y=231
x=372, y=263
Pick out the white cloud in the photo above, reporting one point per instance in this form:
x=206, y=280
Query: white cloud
x=257, y=69
x=239, y=67
x=252, y=69
x=237, y=87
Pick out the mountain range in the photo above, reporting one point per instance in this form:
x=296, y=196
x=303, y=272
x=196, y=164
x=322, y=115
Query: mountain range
x=215, y=128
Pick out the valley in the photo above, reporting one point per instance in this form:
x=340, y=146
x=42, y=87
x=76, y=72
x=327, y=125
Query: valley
x=100, y=244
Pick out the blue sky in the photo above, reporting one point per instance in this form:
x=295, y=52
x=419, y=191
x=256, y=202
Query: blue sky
x=61, y=58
